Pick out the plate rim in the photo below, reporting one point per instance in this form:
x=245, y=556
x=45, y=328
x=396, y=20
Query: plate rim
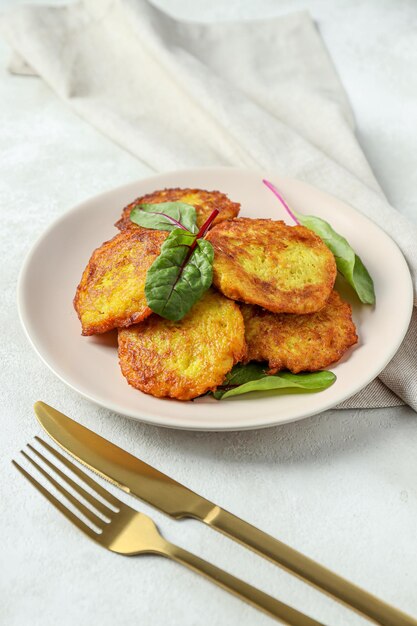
x=150, y=418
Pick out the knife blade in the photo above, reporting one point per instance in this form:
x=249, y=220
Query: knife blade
x=171, y=497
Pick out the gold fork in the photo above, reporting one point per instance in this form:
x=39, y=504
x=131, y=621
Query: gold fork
x=124, y=530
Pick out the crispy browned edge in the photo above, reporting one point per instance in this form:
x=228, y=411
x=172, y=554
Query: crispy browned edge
x=342, y=313
x=154, y=238
x=145, y=379
x=212, y=199
x=265, y=289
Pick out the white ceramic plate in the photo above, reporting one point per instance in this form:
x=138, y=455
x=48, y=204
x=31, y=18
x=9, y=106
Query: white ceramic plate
x=54, y=266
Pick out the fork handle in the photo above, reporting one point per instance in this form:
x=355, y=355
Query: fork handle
x=307, y=569
x=253, y=596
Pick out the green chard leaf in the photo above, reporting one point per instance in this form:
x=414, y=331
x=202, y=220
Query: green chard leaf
x=165, y=216
x=240, y=374
x=348, y=263
x=252, y=377
x=180, y=275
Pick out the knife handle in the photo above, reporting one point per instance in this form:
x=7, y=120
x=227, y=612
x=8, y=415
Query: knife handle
x=307, y=569
x=255, y=597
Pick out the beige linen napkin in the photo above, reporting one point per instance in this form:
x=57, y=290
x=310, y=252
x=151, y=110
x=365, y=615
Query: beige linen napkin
x=257, y=94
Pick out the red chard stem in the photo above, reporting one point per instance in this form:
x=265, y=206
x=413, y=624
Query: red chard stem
x=281, y=199
x=203, y=230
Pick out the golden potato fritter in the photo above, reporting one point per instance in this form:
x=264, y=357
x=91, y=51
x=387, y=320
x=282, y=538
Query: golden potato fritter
x=300, y=343
x=204, y=202
x=285, y=269
x=187, y=358
x=112, y=288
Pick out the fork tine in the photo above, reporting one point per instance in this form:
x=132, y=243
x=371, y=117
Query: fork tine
x=82, y=475
x=56, y=503
x=98, y=521
x=97, y=504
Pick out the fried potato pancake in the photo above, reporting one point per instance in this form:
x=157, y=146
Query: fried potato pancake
x=112, y=288
x=204, y=202
x=299, y=343
x=184, y=359
x=285, y=269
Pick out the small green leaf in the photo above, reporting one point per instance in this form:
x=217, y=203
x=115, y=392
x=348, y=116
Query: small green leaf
x=252, y=377
x=165, y=216
x=348, y=263
x=240, y=374
x=179, y=276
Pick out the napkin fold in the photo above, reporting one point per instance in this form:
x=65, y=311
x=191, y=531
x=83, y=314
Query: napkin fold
x=259, y=94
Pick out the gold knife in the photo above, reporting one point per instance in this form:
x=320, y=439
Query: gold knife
x=164, y=493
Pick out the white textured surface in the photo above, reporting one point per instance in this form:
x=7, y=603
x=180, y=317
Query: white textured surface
x=340, y=486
